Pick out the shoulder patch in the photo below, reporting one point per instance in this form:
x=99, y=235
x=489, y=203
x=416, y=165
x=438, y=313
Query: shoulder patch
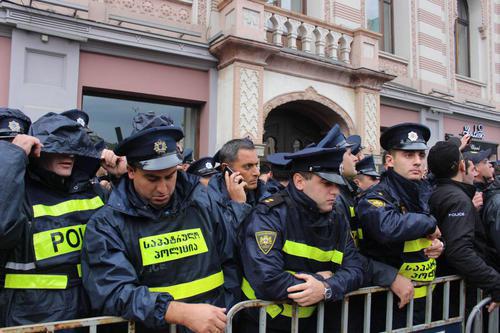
x=272, y=201
x=265, y=240
x=376, y=202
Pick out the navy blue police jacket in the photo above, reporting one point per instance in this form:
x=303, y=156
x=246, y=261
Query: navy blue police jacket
x=137, y=259
x=42, y=222
x=395, y=218
x=285, y=234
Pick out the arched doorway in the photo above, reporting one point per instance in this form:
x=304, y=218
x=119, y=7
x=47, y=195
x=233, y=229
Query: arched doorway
x=294, y=125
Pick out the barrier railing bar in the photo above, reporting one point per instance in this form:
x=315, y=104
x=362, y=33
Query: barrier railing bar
x=427, y=326
x=321, y=318
x=493, y=321
x=446, y=300
x=243, y=305
x=409, y=314
x=67, y=324
x=388, y=313
x=131, y=326
x=173, y=329
x=462, y=299
x=344, y=321
x=295, y=318
x=475, y=311
x=93, y=329
x=262, y=319
x=367, y=313
x=428, y=304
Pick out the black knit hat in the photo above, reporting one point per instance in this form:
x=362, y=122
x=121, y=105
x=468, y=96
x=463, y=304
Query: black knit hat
x=444, y=159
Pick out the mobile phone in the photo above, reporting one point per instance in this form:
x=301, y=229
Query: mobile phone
x=230, y=172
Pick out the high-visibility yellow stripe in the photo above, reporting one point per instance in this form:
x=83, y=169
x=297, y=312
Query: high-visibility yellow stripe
x=192, y=288
x=424, y=271
x=35, y=281
x=360, y=233
x=352, y=211
x=276, y=309
x=66, y=207
x=79, y=270
x=311, y=252
x=421, y=291
x=416, y=245
x=55, y=242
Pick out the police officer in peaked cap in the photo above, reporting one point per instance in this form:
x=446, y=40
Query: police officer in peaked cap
x=295, y=248
x=367, y=173
x=12, y=123
x=398, y=228
x=204, y=168
x=157, y=251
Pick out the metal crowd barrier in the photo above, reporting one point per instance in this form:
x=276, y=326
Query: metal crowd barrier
x=367, y=293
x=471, y=326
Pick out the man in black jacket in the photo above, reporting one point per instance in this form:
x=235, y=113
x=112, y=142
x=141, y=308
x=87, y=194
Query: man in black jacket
x=466, y=252
x=491, y=214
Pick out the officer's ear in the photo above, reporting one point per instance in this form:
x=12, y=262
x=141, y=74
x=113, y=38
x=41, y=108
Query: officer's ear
x=389, y=159
x=299, y=181
x=356, y=181
x=131, y=170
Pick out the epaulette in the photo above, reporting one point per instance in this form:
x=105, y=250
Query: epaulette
x=273, y=200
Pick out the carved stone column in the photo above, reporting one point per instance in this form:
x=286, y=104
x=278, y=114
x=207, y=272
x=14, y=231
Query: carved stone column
x=368, y=118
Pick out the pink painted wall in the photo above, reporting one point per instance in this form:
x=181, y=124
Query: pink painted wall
x=4, y=70
x=390, y=116
x=455, y=125
x=141, y=77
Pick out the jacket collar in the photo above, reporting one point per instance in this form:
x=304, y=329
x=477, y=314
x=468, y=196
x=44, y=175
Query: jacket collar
x=469, y=189
x=413, y=194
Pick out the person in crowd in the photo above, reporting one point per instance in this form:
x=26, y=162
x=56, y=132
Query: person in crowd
x=12, y=123
x=46, y=200
x=204, y=168
x=295, y=248
x=394, y=215
x=482, y=164
x=187, y=159
x=468, y=251
x=280, y=172
x=367, y=174
x=491, y=214
x=265, y=173
x=156, y=253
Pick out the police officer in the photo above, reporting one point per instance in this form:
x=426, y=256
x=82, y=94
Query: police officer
x=204, y=168
x=485, y=174
x=394, y=214
x=45, y=203
x=156, y=252
x=367, y=174
x=280, y=172
x=12, y=123
x=295, y=248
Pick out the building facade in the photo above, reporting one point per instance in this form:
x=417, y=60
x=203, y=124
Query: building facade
x=278, y=71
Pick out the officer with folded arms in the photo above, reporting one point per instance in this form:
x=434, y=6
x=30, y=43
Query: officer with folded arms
x=398, y=228
x=46, y=200
x=156, y=253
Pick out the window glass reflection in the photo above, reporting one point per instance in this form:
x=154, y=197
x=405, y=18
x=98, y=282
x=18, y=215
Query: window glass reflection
x=111, y=117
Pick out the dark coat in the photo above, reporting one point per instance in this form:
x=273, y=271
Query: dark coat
x=466, y=251
x=42, y=220
x=491, y=214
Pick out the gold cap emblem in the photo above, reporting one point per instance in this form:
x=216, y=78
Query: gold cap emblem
x=160, y=147
x=413, y=136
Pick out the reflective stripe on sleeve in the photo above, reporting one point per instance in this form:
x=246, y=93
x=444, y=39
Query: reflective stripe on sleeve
x=192, y=288
x=35, y=281
x=66, y=207
x=417, y=245
x=311, y=252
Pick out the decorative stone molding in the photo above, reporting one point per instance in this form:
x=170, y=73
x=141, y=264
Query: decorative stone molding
x=249, y=103
x=371, y=121
x=393, y=67
x=468, y=89
x=310, y=94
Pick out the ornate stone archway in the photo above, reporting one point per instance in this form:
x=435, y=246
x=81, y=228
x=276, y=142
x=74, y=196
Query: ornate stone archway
x=310, y=94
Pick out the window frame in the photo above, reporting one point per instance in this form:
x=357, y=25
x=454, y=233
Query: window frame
x=381, y=19
x=466, y=23
x=277, y=3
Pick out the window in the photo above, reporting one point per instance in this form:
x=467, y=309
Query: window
x=111, y=116
x=298, y=6
x=462, y=39
x=379, y=18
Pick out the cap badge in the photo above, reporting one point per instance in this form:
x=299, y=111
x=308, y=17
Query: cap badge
x=160, y=147
x=413, y=136
x=208, y=165
x=14, y=126
x=81, y=121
